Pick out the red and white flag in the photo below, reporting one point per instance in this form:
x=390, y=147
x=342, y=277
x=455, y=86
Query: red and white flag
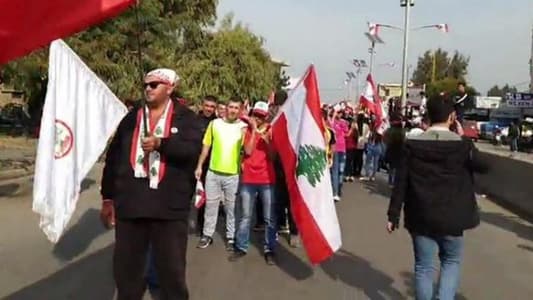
x=443, y=27
x=370, y=99
x=298, y=135
x=373, y=29
x=26, y=25
x=199, y=195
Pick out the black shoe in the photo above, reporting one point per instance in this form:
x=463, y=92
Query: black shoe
x=204, y=242
x=230, y=245
x=236, y=255
x=269, y=259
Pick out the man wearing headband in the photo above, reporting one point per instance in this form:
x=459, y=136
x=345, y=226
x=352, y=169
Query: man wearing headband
x=147, y=184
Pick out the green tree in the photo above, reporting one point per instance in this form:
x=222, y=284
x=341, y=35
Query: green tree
x=439, y=64
x=501, y=92
x=311, y=163
x=231, y=62
x=441, y=72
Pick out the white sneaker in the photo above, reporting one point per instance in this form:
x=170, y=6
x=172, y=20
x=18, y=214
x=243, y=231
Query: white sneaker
x=337, y=198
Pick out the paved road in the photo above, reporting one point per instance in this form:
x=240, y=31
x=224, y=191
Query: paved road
x=371, y=265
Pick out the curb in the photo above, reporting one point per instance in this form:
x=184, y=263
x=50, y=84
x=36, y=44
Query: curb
x=15, y=173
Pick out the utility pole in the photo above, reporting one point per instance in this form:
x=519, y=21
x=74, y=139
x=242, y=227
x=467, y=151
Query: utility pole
x=407, y=4
x=531, y=63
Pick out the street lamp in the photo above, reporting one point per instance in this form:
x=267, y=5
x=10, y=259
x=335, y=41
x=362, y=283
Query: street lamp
x=359, y=64
x=407, y=4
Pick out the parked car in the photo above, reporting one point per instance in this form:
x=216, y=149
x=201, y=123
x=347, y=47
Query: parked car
x=471, y=130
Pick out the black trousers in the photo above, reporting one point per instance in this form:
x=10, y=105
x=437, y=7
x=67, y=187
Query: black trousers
x=283, y=212
x=169, y=244
x=349, y=168
x=358, y=162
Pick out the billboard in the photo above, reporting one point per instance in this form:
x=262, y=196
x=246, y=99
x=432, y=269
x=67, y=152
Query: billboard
x=520, y=100
x=485, y=102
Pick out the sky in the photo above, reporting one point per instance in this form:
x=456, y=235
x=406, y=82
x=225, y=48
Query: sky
x=496, y=34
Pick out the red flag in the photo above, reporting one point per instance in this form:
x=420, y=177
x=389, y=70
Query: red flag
x=298, y=137
x=26, y=25
x=370, y=98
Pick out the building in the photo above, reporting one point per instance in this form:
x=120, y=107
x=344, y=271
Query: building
x=10, y=95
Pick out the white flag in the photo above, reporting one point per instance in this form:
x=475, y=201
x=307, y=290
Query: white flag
x=80, y=115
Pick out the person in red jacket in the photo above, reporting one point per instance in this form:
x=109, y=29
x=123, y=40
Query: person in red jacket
x=257, y=179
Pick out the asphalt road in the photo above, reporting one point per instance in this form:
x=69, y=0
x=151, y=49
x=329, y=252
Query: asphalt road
x=372, y=264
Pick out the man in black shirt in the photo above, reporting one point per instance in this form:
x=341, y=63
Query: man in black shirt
x=206, y=115
x=147, y=186
x=463, y=102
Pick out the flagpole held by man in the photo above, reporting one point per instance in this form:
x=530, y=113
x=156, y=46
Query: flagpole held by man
x=148, y=181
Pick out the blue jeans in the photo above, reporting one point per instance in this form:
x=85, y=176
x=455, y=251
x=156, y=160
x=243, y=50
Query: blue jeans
x=371, y=165
x=249, y=193
x=514, y=144
x=151, y=274
x=337, y=172
x=450, y=249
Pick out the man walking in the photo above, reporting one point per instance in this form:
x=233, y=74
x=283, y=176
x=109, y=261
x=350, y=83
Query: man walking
x=257, y=179
x=147, y=185
x=207, y=114
x=223, y=139
x=435, y=186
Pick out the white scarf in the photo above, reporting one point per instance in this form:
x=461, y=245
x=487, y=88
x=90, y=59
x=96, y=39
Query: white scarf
x=155, y=170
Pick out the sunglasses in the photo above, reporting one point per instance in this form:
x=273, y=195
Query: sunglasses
x=153, y=84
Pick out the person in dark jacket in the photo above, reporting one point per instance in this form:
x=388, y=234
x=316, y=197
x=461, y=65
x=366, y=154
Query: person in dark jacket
x=147, y=185
x=394, y=140
x=206, y=115
x=463, y=101
x=434, y=184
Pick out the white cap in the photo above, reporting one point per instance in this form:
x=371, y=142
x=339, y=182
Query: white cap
x=261, y=107
x=166, y=75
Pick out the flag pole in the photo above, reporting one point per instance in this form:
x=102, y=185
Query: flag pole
x=141, y=71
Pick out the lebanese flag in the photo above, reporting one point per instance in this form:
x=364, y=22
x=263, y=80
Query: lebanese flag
x=26, y=25
x=373, y=29
x=443, y=27
x=298, y=136
x=370, y=98
x=199, y=195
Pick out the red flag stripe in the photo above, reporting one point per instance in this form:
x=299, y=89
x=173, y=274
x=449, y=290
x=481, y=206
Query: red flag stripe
x=26, y=25
x=313, y=98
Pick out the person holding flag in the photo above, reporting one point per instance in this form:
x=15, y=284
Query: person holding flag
x=147, y=183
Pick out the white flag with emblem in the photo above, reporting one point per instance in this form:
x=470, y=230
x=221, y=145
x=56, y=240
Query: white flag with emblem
x=80, y=114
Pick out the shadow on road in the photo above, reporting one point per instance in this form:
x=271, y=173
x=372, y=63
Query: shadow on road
x=509, y=223
x=8, y=189
x=286, y=261
x=379, y=187
x=87, y=279
x=409, y=281
x=359, y=273
x=525, y=247
x=78, y=238
x=86, y=184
